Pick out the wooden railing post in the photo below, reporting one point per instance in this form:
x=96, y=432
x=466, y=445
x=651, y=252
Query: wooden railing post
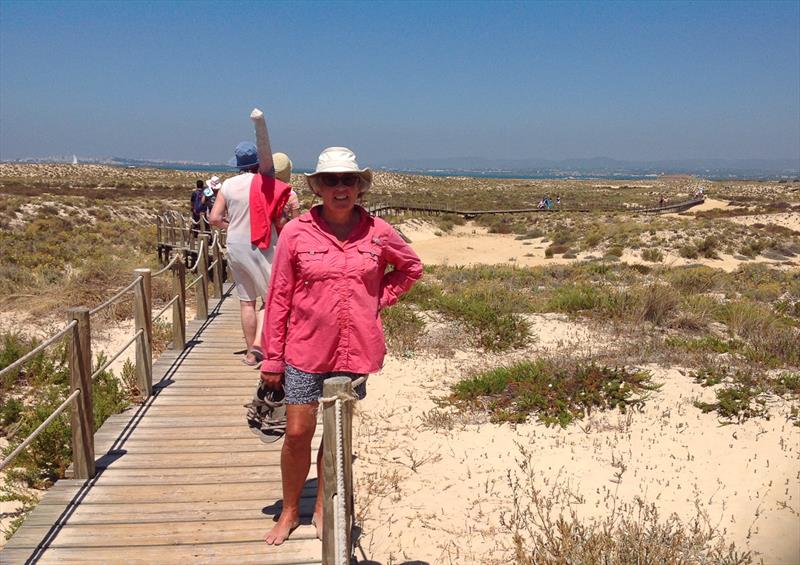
x=80, y=371
x=182, y=232
x=142, y=313
x=331, y=388
x=160, y=243
x=218, y=267
x=202, y=286
x=179, y=306
x=173, y=239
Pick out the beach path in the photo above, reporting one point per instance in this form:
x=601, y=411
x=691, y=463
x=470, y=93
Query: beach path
x=180, y=479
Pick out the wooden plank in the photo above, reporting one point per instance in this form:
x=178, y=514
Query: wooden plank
x=191, y=445
x=155, y=533
x=189, y=422
x=124, y=513
x=200, y=432
x=293, y=552
x=268, y=489
x=189, y=476
x=132, y=460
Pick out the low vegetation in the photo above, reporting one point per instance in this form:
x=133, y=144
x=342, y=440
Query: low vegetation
x=556, y=392
x=546, y=528
x=28, y=396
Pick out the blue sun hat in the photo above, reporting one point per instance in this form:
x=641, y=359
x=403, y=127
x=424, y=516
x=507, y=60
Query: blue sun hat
x=245, y=156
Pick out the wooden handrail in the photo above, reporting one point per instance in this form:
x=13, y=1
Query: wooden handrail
x=78, y=329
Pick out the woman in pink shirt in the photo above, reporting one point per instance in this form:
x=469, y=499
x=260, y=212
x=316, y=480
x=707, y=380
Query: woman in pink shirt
x=328, y=285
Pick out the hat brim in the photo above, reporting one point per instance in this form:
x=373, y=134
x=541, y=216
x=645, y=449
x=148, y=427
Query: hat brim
x=232, y=163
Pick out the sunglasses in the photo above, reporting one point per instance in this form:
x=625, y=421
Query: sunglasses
x=331, y=179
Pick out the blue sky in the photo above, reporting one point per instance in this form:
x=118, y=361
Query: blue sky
x=177, y=80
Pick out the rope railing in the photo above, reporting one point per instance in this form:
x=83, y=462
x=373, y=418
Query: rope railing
x=21, y=447
x=166, y=307
x=107, y=364
x=32, y=353
x=199, y=254
x=80, y=341
x=116, y=297
x=194, y=282
x=167, y=267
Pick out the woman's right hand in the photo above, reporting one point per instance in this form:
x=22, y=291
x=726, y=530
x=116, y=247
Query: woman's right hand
x=272, y=380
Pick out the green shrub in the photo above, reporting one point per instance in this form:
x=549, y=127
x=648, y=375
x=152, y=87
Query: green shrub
x=574, y=298
x=707, y=247
x=738, y=402
x=658, y=303
x=495, y=327
x=688, y=251
x=555, y=392
x=555, y=249
x=592, y=240
x=402, y=327
x=652, y=255
x=47, y=378
x=695, y=279
x=532, y=233
x=707, y=343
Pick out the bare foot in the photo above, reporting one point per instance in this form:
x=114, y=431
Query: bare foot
x=316, y=520
x=280, y=532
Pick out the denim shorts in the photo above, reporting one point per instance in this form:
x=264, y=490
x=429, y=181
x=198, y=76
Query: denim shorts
x=306, y=388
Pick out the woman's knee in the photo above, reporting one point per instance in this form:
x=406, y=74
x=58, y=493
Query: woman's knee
x=301, y=423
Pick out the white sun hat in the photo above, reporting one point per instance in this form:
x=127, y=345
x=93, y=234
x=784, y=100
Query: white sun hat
x=214, y=183
x=341, y=160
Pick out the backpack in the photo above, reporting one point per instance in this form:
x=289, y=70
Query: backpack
x=197, y=202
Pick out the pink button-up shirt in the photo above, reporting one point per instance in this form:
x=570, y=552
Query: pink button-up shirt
x=325, y=295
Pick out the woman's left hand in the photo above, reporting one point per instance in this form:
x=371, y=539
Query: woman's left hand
x=272, y=380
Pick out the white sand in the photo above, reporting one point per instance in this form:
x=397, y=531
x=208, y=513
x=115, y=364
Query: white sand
x=789, y=220
x=472, y=245
x=437, y=495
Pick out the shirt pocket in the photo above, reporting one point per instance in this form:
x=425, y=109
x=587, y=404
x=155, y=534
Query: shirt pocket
x=311, y=263
x=369, y=259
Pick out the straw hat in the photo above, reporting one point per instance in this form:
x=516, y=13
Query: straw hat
x=283, y=167
x=340, y=160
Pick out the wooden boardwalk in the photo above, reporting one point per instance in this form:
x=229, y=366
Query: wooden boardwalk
x=180, y=479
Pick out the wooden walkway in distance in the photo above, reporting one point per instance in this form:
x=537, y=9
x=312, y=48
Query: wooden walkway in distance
x=180, y=479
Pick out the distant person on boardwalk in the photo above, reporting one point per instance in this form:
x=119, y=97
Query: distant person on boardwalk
x=329, y=283
x=558, y=202
x=249, y=206
x=661, y=201
x=198, y=206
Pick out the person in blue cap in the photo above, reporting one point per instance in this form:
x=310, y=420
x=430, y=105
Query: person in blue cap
x=251, y=265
